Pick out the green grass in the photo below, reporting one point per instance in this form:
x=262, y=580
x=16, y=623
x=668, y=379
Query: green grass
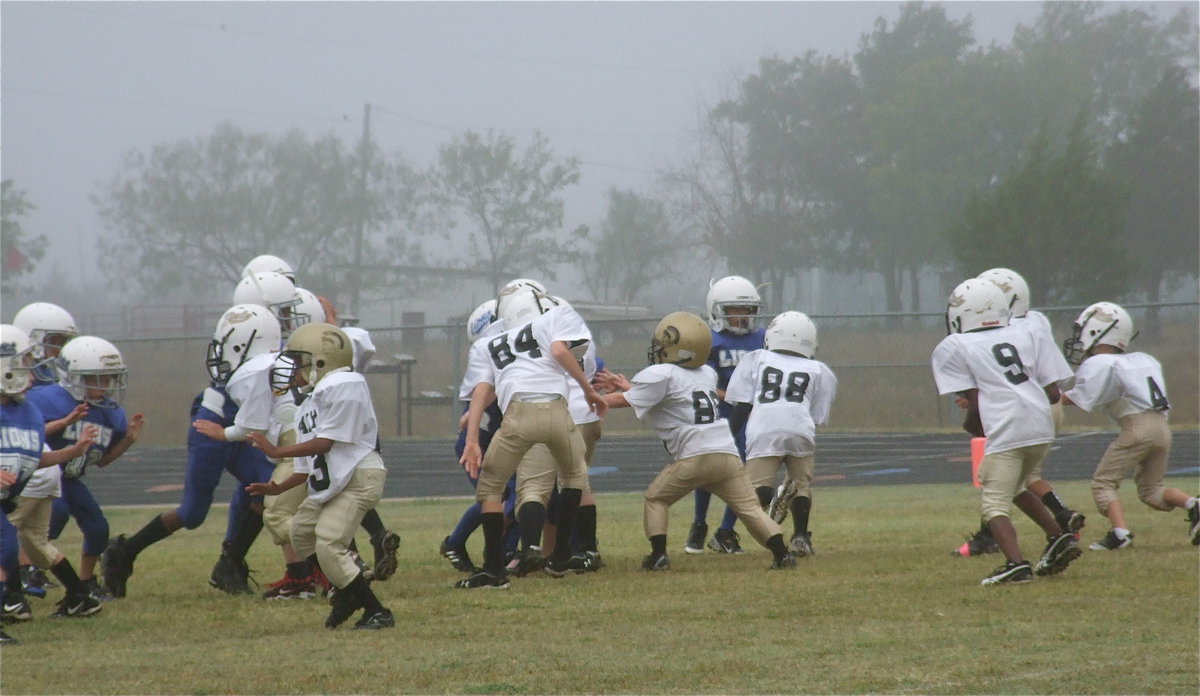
x=882, y=608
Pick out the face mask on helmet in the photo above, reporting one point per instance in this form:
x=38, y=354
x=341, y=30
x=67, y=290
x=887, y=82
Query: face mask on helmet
x=976, y=305
x=273, y=291
x=242, y=332
x=793, y=332
x=49, y=328
x=94, y=371
x=1014, y=287
x=734, y=305
x=314, y=351
x=308, y=310
x=16, y=361
x=1102, y=323
x=681, y=338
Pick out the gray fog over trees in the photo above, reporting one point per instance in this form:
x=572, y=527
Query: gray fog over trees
x=1071, y=149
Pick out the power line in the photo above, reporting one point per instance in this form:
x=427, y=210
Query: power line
x=308, y=40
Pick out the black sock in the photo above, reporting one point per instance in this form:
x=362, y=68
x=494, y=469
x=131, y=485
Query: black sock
x=777, y=547
x=764, y=493
x=153, y=532
x=530, y=518
x=65, y=572
x=245, y=534
x=362, y=589
x=584, y=534
x=493, y=541
x=568, y=511
x=372, y=523
x=1052, y=502
x=298, y=570
x=801, y=505
x=658, y=544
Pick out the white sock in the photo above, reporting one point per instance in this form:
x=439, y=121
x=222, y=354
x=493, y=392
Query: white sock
x=1121, y=532
x=1191, y=503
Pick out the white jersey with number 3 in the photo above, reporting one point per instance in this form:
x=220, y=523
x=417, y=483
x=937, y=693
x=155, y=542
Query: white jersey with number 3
x=338, y=409
x=681, y=404
x=1008, y=369
x=1106, y=378
x=791, y=395
x=519, y=359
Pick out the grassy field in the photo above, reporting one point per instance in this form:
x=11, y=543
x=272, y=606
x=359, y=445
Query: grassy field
x=882, y=608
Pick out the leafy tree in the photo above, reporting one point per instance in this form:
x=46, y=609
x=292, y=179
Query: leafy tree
x=22, y=251
x=1088, y=53
x=1160, y=161
x=636, y=246
x=512, y=200
x=189, y=213
x=1059, y=218
x=760, y=188
x=923, y=138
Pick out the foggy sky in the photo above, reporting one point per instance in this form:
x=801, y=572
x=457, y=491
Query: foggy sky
x=616, y=84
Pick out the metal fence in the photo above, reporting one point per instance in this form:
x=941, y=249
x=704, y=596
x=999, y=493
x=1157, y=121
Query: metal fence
x=881, y=360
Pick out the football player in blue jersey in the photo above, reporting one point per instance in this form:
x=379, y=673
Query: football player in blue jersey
x=244, y=333
x=22, y=452
x=48, y=327
x=734, y=313
x=93, y=376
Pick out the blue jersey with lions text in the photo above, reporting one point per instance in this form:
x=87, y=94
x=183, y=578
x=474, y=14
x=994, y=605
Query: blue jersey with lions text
x=22, y=437
x=55, y=402
x=728, y=349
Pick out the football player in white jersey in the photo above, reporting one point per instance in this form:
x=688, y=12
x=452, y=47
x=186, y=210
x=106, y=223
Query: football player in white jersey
x=1131, y=390
x=526, y=370
x=1014, y=287
x=677, y=396
x=780, y=394
x=384, y=542
x=334, y=452
x=1000, y=372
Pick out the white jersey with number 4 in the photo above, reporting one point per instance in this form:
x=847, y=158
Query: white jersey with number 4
x=519, y=359
x=791, y=395
x=681, y=404
x=1008, y=369
x=338, y=409
x=1108, y=378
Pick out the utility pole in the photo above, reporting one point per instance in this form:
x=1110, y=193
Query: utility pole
x=361, y=212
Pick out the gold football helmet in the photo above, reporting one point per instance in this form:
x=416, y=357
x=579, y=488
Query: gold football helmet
x=681, y=338
x=312, y=351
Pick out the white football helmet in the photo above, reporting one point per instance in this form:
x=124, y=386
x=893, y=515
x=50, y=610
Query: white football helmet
x=728, y=293
x=681, y=338
x=974, y=305
x=49, y=328
x=480, y=319
x=274, y=264
x=242, y=332
x=273, y=291
x=1015, y=289
x=525, y=282
x=312, y=352
x=1103, y=323
x=793, y=332
x=520, y=303
x=93, y=371
x=16, y=360
x=308, y=310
